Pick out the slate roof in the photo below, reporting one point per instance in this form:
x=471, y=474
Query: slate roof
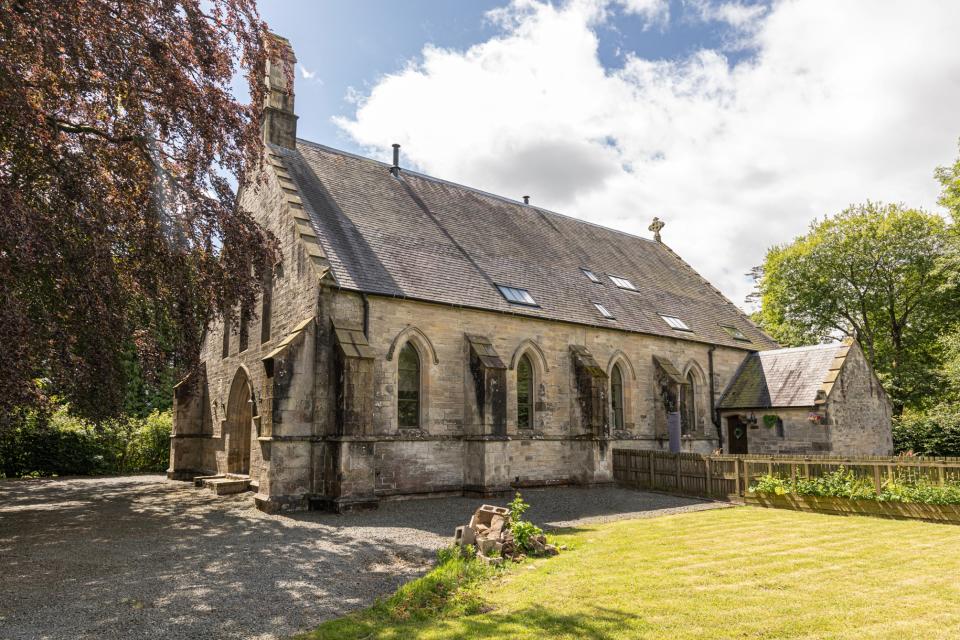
x=796, y=377
x=419, y=237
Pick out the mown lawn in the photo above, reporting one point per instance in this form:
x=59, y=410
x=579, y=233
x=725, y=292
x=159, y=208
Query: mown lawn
x=729, y=573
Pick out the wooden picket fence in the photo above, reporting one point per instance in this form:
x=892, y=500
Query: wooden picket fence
x=727, y=477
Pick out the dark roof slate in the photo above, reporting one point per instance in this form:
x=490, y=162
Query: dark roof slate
x=423, y=238
x=783, y=377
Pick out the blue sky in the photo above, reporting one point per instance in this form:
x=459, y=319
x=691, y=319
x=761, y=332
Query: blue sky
x=735, y=122
x=348, y=45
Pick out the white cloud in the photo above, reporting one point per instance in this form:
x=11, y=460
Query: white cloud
x=655, y=12
x=306, y=74
x=843, y=102
x=735, y=14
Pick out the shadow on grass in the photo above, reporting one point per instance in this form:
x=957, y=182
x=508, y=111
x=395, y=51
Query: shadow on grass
x=540, y=621
x=534, y=621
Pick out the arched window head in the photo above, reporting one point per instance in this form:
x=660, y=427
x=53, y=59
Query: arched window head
x=524, y=393
x=688, y=405
x=408, y=387
x=616, y=396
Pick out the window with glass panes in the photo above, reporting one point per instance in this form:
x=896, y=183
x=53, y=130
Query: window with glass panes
x=408, y=387
x=616, y=396
x=688, y=406
x=524, y=393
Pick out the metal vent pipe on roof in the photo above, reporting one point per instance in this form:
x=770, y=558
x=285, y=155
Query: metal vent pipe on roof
x=526, y=199
x=395, y=169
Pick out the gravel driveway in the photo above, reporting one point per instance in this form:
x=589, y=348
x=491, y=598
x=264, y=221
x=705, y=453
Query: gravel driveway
x=141, y=557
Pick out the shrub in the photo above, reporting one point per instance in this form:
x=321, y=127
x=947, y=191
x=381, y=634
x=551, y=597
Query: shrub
x=771, y=485
x=149, y=447
x=523, y=531
x=934, y=432
x=842, y=483
x=922, y=491
x=61, y=444
x=517, y=508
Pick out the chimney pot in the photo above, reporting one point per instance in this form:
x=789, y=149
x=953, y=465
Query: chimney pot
x=395, y=169
x=526, y=199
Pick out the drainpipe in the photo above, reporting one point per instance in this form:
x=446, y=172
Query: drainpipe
x=366, y=315
x=713, y=408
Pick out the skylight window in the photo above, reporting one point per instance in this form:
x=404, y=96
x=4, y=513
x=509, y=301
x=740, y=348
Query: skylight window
x=676, y=323
x=623, y=283
x=517, y=296
x=590, y=274
x=735, y=333
x=603, y=311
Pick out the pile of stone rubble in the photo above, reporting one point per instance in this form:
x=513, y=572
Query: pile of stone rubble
x=490, y=534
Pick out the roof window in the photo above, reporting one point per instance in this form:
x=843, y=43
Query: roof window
x=590, y=274
x=517, y=296
x=676, y=323
x=603, y=311
x=623, y=283
x=735, y=333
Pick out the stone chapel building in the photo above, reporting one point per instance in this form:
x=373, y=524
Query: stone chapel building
x=420, y=337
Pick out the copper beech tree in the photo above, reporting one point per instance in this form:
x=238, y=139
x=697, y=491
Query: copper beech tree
x=120, y=231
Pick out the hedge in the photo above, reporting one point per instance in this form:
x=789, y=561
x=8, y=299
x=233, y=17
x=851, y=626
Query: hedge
x=63, y=445
x=934, y=432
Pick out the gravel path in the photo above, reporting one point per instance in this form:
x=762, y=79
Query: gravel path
x=141, y=557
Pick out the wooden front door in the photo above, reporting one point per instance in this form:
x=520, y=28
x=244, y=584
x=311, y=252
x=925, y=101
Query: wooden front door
x=736, y=435
x=239, y=420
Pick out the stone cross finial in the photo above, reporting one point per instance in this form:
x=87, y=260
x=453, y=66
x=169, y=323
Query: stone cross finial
x=655, y=226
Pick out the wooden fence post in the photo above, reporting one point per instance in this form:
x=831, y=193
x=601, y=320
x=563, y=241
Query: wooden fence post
x=653, y=473
x=676, y=460
x=706, y=461
x=736, y=474
x=876, y=478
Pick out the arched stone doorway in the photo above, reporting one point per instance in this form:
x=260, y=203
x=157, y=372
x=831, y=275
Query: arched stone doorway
x=240, y=412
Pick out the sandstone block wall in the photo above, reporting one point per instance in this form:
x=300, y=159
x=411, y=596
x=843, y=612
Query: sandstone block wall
x=859, y=411
x=558, y=448
x=294, y=299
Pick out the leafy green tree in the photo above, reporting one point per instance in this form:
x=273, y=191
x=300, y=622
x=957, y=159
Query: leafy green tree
x=950, y=368
x=881, y=273
x=949, y=178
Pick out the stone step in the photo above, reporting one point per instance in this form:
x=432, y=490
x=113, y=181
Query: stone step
x=227, y=486
x=199, y=481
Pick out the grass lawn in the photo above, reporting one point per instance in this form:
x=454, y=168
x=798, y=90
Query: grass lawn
x=727, y=573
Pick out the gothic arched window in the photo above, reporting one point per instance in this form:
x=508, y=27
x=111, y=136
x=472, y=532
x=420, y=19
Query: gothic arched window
x=688, y=405
x=408, y=387
x=524, y=393
x=616, y=396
